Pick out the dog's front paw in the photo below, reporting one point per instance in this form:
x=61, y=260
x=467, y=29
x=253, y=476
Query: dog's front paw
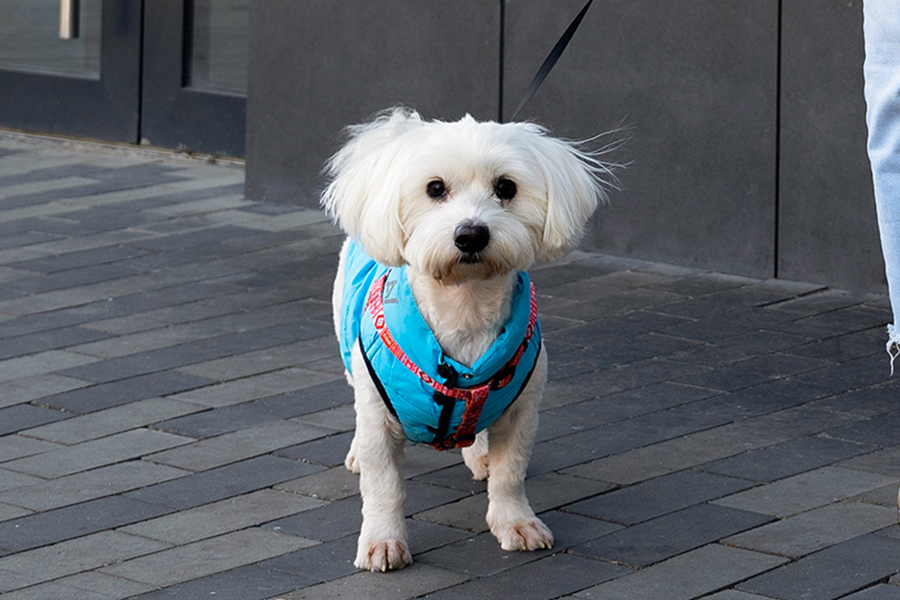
x=382, y=556
x=526, y=534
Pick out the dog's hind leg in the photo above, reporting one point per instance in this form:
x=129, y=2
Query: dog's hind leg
x=511, y=437
x=378, y=448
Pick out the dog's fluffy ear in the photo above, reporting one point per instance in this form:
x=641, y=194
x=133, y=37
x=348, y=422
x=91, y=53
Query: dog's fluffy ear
x=364, y=194
x=574, y=188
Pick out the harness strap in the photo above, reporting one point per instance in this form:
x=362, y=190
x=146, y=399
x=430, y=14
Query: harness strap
x=474, y=397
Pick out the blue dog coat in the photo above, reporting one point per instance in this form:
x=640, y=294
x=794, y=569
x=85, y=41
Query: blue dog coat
x=436, y=399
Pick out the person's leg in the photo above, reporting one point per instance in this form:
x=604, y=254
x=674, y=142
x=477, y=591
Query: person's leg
x=882, y=90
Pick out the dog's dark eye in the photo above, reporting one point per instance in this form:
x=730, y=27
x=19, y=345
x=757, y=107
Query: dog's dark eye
x=505, y=189
x=436, y=189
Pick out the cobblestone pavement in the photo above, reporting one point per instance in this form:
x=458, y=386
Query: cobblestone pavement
x=174, y=418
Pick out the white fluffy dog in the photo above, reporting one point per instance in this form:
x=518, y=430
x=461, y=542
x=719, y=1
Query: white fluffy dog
x=443, y=221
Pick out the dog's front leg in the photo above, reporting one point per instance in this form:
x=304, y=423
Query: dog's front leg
x=378, y=446
x=511, y=437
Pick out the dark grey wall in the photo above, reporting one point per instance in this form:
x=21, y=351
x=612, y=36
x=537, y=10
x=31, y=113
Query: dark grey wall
x=827, y=226
x=317, y=66
x=746, y=117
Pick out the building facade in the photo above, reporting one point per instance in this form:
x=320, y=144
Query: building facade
x=744, y=119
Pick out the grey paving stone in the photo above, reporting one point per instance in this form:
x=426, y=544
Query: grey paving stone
x=275, y=407
x=72, y=557
x=43, y=528
x=833, y=572
x=105, y=585
x=50, y=361
x=77, y=260
x=206, y=557
x=17, y=446
x=881, y=496
x=98, y=397
x=421, y=459
x=96, y=453
x=554, y=456
x=244, y=363
x=788, y=458
x=341, y=418
x=714, y=323
x=877, y=592
x=42, y=495
x=112, y=420
x=613, y=329
x=224, y=482
x=240, y=445
x=143, y=363
x=25, y=416
x=842, y=348
x=551, y=577
x=759, y=399
x=687, y=576
x=866, y=402
x=332, y=484
x=323, y=562
x=328, y=523
x=328, y=451
x=244, y=583
x=742, y=347
x=661, y=538
x=632, y=403
x=884, y=462
x=48, y=340
x=755, y=371
x=638, y=374
x=11, y=480
x=734, y=595
x=659, y=496
x=805, y=491
x=641, y=431
x=841, y=321
x=224, y=516
x=850, y=375
x=880, y=430
x=808, y=532
x=411, y=582
x=39, y=386
x=257, y=386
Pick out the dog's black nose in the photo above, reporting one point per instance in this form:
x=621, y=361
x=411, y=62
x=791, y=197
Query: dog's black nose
x=472, y=238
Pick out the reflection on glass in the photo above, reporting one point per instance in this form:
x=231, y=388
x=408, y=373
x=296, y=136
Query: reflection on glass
x=30, y=38
x=218, y=37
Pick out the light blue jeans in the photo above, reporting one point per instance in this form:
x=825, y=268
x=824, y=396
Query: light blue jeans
x=882, y=72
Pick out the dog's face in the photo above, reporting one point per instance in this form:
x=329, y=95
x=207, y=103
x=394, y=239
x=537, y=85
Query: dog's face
x=463, y=200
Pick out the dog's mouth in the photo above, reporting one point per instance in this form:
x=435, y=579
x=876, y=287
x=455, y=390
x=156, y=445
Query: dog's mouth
x=471, y=259
x=469, y=267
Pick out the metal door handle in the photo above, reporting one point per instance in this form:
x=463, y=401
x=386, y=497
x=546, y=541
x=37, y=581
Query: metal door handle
x=68, y=19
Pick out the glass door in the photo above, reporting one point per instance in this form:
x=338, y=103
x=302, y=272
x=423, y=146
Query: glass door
x=195, y=75
x=170, y=73
x=70, y=66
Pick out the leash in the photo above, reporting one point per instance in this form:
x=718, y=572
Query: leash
x=551, y=59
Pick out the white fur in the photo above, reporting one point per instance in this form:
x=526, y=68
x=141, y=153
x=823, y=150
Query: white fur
x=378, y=195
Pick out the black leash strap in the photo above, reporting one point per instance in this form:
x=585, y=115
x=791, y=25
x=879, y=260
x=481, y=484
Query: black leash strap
x=551, y=59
